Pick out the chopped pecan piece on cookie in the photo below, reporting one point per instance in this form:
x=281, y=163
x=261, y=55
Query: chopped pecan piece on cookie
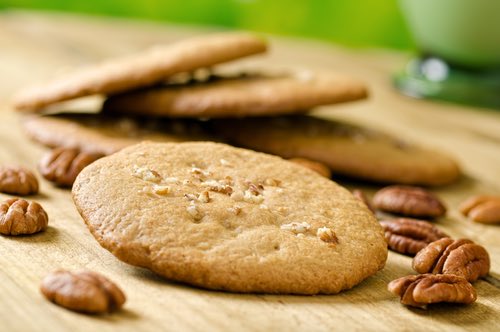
x=17, y=180
x=482, y=208
x=19, y=217
x=409, y=236
x=83, y=291
x=327, y=234
x=316, y=166
x=460, y=257
x=62, y=165
x=421, y=290
x=408, y=201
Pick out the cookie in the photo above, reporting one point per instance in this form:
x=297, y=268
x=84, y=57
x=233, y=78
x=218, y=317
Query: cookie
x=249, y=95
x=98, y=133
x=142, y=69
x=347, y=149
x=226, y=218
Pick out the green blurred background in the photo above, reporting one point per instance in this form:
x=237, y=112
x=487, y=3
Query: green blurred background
x=357, y=23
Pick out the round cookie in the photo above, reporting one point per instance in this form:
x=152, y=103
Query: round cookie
x=251, y=95
x=347, y=149
x=226, y=218
x=142, y=69
x=99, y=133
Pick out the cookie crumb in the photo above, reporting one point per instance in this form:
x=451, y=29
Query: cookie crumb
x=216, y=186
x=161, y=189
x=146, y=190
x=204, y=197
x=146, y=174
x=296, y=227
x=191, y=197
x=193, y=210
x=250, y=197
x=327, y=235
x=256, y=189
x=235, y=209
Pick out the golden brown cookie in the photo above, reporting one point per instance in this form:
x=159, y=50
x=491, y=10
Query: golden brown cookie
x=98, y=133
x=225, y=218
x=142, y=69
x=250, y=95
x=347, y=149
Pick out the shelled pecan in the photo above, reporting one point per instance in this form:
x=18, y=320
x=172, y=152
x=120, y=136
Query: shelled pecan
x=17, y=181
x=83, y=291
x=19, y=217
x=421, y=290
x=408, y=236
x=408, y=201
x=62, y=165
x=459, y=257
x=482, y=208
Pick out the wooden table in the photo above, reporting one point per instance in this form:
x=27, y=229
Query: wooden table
x=34, y=46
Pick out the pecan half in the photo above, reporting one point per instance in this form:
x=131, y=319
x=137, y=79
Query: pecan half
x=359, y=194
x=17, y=180
x=62, y=164
x=421, y=290
x=459, y=257
x=18, y=217
x=316, y=166
x=482, y=208
x=409, y=236
x=83, y=291
x=408, y=201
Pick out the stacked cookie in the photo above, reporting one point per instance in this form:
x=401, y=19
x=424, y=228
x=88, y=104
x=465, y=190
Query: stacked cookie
x=210, y=214
x=254, y=109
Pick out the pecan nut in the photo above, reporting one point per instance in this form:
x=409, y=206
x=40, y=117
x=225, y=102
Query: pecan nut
x=316, y=166
x=421, y=290
x=17, y=180
x=482, y=208
x=409, y=236
x=62, y=165
x=359, y=194
x=83, y=291
x=459, y=257
x=408, y=201
x=18, y=217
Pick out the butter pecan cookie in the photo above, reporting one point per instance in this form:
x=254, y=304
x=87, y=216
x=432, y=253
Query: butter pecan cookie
x=106, y=134
x=249, y=95
x=348, y=149
x=225, y=218
x=143, y=69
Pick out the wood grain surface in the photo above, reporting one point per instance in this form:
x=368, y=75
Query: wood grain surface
x=36, y=46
